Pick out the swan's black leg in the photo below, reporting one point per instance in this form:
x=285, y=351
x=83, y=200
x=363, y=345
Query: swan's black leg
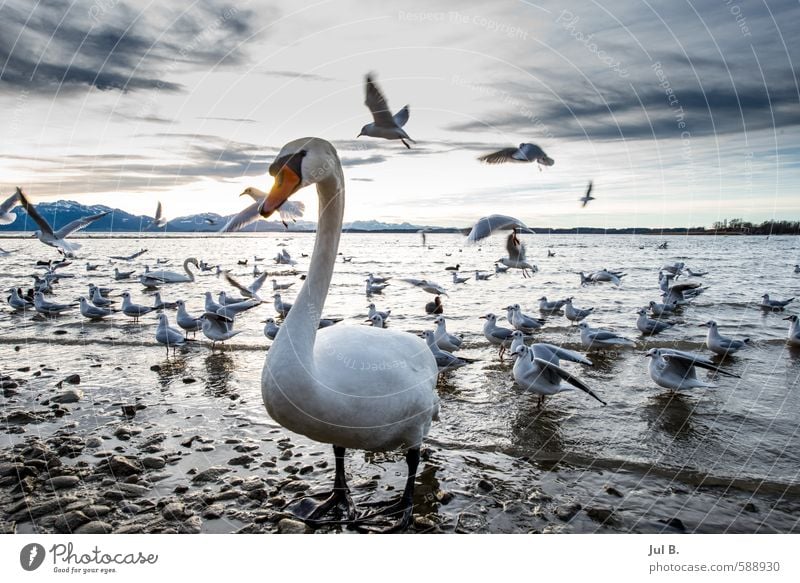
x=403, y=509
x=312, y=510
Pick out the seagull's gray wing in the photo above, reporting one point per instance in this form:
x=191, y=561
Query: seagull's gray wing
x=235, y=283
x=559, y=352
x=604, y=335
x=574, y=381
x=9, y=203
x=682, y=287
x=77, y=225
x=377, y=105
x=258, y=283
x=401, y=117
x=688, y=359
x=529, y=153
x=44, y=226
x=488, y=225
x=500, y=157
x=501, y=333
x=158, y=212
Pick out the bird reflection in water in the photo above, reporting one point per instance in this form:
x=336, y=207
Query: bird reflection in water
x=536, y=433
x=219, y=369
x=170, y=370
x=671, y=413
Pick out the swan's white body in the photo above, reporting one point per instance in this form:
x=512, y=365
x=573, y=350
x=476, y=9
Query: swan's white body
x=351, y=386
x=171, y=276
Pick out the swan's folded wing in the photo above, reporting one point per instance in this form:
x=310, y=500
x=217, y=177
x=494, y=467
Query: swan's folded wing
x=78, y=224
x=574, y=381
x=44, y=226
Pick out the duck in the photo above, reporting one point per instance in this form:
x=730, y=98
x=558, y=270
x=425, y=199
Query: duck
x=308, y=385
x=435, y=307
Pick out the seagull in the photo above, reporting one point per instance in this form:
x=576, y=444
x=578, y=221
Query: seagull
x=550, y=307
x=675, y=369
x=555, y=354
x=49, y=308
x=218, y=328
x=280, y=306
x=607, y=276
x=384, y=124
x=499, y=268
x=132, y=310
x=159, y=304
x=159, y=221
x=649, y=326
x=597, y=338
x=231, y=310
x=776, y=305
x=457, y=279
x=522, y=322
x=93, y=312
x=57, y=239
x=376, y=279
x=271, y=329
x=434, y=307
x=375, y=288
x=719, y=344
x=226, y=300
x=169, y=337
x=683, y=293
x=186, y=321
x=794, y=331
x=281, y=286
x=6, y=216
x=17, y=301
x=443, y=338
x=372, y=311
x=797, y=268
x=663, y=309
x=587, y=197
x=486, y=226
x=288, y=211
x=377, y=321
x=516, y=255
x=574, y=314
x=250, y=291
x=482, y=276
x=444, y=359
x=97, y=298
x=523, y=153
x=428, y=286
x=130, y=257
x=496, y=334
x=120, y=275
x=543, y=377
x=90, y=267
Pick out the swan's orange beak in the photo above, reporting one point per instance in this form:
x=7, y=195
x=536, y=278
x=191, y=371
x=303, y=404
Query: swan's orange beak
x=286, y=184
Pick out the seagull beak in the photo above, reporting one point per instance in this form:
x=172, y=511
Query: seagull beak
x=788, y=318
x=482, y=317
x=287, y=182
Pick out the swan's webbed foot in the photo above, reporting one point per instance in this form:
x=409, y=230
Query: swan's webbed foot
x=396, y=517
x=313, y=510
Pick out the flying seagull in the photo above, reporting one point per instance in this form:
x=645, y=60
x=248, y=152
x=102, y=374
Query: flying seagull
x=486, y=226
x=384, y=125
x=288, y=211
x=57, y=239
x=6, y=216
x=524, y=153
x=159, y=221
x=588, y=196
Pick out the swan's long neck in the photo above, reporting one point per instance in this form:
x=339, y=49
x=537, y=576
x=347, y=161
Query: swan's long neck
x=295, y=345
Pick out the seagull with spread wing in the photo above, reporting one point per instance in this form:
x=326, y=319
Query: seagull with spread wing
x=524, y=153
x=6, y=216
x=675, y=369
x=57, y=239
x=158, y=221
x=384, y=124
x=250, y=291
x=588, y=196
x=288, y=211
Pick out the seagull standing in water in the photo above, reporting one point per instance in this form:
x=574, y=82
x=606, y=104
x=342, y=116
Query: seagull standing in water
x=649, y=326
x=495, y=334
x=721, y=345
x=384, y=124
x=776, y=305
x=574, y=314
x=675, y=369
x=523, y=153
x=169, y=337
x=597, y=338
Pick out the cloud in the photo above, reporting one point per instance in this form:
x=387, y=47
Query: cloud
x=297, y=75
x=63, y=46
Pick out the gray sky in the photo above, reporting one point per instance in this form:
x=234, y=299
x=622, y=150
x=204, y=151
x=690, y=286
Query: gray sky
x=681, y=112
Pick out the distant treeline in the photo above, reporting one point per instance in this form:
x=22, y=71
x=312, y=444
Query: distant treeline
x=765, y=228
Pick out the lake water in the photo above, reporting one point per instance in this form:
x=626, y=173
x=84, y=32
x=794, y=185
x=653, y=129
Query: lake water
x=724, y=459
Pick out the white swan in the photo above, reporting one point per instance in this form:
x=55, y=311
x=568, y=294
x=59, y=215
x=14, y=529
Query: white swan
x=171, y=276
x=354, y=387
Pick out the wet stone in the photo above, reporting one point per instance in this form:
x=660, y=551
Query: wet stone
x=601, y=515
x=567, y=511
x=94, y=527
x=290, y=526
x=69, y=521
x=211, y=474
x=174, y=511
x=68, y=396
x=469, y=522
x=121, y=466
x=153, y=462
x=61, y=482
x=485, y=485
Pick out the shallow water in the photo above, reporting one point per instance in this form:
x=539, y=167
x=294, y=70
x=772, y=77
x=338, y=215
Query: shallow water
x=724, y=459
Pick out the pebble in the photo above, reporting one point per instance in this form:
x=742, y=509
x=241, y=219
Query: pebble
x=211, y=474
x=69, y=521
x=567, y=511
x=485, y=485
x=61, y=482
x=191, y=525
x=121, y=466
x=602, y=515
x=68, y=396
x=291, y=526
x=94, y=527
x=174, y=511
x=72, y=379
x=153, y=462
